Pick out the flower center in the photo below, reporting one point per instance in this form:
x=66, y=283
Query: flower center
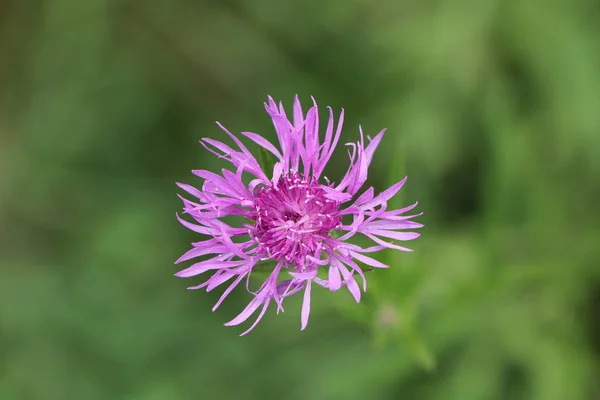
x=293, y=219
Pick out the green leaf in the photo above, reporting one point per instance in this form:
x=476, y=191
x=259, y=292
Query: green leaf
x=414, y=341
x=419, y=349
x=267, y=161
x=263, y=268
x=335, y=234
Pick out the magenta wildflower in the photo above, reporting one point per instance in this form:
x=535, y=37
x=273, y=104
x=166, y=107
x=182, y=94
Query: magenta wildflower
x=291, y=215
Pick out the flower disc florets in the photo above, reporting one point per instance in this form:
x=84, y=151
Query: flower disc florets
x=293, y=219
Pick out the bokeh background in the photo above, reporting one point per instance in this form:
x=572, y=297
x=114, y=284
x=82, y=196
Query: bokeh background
x=493, y=112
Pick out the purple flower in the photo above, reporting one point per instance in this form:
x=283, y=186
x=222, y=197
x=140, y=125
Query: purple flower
x=294, y=217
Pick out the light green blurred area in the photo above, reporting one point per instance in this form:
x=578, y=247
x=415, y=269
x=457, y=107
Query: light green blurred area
x=493, y=112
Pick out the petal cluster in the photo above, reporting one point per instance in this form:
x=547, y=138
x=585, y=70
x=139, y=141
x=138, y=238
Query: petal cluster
x=292, y=218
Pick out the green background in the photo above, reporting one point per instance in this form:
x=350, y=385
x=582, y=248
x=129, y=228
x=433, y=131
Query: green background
x=493, y=112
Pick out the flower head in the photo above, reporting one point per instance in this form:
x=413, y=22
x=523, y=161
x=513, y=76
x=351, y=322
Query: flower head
x=294, y=218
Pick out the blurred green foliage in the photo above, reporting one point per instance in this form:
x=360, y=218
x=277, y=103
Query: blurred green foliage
x=492, y=109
